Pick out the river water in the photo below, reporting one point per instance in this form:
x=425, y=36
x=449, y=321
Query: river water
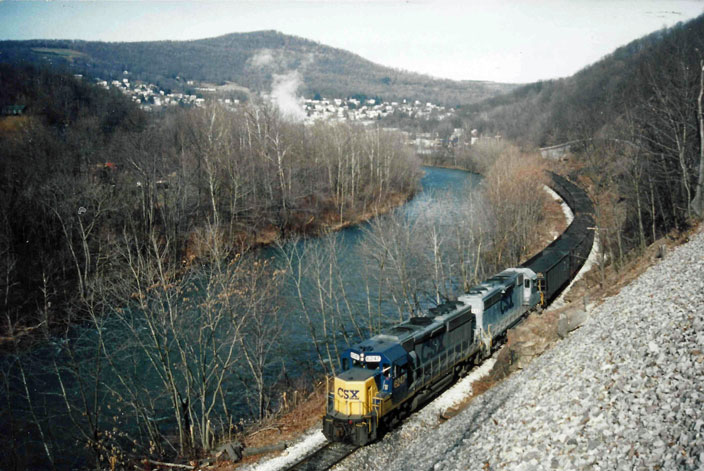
x=443, y=190
x=338, y=305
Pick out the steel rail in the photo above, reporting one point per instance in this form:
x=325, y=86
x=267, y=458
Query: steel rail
x=325, y=458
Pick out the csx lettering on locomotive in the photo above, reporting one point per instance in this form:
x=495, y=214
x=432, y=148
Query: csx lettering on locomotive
x=398, y=382
x=352, y=394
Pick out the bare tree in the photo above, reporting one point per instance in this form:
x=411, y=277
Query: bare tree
x=513, y=189
x=265, y=325
x=698, y=201
x=392, y=247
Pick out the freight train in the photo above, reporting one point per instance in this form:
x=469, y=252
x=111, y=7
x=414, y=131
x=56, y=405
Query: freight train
x=385, y=378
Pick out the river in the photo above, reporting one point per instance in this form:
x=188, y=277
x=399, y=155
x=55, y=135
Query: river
x=346, y=293
x=442, y=191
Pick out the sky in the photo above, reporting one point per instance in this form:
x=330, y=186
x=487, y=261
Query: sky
x=514, y=41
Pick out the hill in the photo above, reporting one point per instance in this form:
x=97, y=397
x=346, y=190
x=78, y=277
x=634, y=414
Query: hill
x=588, y=104
x=249, y=60
x=635, y=124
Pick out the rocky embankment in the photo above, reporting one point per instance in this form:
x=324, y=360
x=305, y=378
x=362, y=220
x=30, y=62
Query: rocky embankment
x=624, y=391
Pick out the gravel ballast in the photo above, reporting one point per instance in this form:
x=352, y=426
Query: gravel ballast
x=625, y=391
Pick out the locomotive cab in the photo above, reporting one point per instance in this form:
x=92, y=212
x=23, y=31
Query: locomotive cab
x=368, y=386
x=531, y=284
x=499, y=302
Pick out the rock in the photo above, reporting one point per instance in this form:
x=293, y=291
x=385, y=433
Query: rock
x=251, y=451
x=570, y=320
x=232, y=450
x=592, y=444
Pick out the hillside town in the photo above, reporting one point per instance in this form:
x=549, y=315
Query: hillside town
x=371, y=110
x=366, y=112
x=151, y=98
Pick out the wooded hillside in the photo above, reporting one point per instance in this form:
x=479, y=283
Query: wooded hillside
x=250, y=60
x=629, y=80
x=634, y=121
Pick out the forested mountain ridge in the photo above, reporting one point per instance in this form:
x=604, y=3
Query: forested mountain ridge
x=588, y=103
x=635, y=124
x=250, y=60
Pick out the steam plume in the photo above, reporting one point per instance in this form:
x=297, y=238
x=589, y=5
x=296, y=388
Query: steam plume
x=283, y=94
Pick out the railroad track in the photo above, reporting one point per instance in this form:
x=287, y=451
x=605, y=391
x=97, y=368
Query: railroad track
x=325, y=458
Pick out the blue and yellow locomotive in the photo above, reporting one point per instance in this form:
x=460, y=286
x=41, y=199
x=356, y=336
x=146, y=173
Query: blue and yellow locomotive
x=388, y=376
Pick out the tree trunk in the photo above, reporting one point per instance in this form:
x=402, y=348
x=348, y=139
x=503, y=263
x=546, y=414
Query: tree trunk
x=697, y=204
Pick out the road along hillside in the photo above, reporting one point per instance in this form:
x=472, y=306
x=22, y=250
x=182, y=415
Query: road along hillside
x=625, y=391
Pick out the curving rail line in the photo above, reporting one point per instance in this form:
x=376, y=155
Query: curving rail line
x=559, y=263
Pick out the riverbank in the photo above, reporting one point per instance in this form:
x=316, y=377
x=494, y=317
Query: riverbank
x=330, y=221
x=199, y=243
